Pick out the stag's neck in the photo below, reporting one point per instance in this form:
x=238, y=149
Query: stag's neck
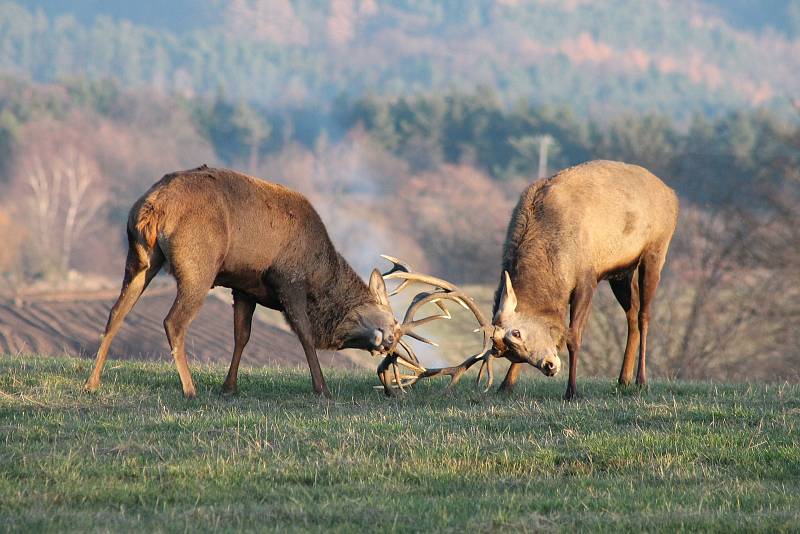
x=334, y=295
x=538, y=296
x=541, y=290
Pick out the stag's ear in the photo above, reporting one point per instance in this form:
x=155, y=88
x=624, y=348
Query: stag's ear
x=508, y=299
x=378, y=288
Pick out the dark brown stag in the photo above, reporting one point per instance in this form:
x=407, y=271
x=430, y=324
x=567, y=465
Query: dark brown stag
x=602, y=220
x=214, y=227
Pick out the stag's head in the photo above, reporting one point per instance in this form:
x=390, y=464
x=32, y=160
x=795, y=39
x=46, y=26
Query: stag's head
x=372, y=325
x=523, y=338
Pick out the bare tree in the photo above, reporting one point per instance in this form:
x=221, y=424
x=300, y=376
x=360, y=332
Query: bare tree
x=84, y=201
x=63, y=197
x=714, y=307
x=42, y=202
x=13, y=236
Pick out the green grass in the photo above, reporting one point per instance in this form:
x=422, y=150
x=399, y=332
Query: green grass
x=137, y=456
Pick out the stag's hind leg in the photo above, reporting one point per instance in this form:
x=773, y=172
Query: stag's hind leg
x=649, y=277
x=626, y=290
x=243, y=308
x=188, y=301
x=194, y=258
x=141, y=266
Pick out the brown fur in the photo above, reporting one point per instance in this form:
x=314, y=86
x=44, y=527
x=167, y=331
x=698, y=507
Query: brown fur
x=600, y=220
x=218, y=227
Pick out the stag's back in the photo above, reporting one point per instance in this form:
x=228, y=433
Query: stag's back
x=255, y=224
x=598, y=216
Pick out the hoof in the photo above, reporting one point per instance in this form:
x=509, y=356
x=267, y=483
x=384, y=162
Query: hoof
x=189, y=395
x=90, y=387
x=228, y=390
x=324, y=393
x=624, y=387
x=571, y=395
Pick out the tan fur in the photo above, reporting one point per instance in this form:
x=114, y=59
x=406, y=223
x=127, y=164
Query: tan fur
x=596, y=217
x=594, y=221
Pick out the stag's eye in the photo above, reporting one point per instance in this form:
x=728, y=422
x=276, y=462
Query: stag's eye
x=516, y=334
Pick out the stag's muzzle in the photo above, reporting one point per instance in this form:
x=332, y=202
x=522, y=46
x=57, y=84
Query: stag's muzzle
x=377, y=338
x=550, y=365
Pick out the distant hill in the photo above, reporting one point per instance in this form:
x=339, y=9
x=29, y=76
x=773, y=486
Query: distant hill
x=677, y=58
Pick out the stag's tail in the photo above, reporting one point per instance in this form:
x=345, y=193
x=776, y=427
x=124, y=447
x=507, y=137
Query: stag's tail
x=145, y=221
x=147, y=224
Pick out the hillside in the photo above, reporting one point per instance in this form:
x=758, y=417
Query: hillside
x=676, y=58
x=137, y=457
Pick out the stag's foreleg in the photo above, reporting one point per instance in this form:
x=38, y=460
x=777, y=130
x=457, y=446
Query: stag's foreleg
x=579, y=306
x=243, y=307
x=626, y=290
x=511, y=378
x=141, y=266
x=649, y=277
x=292, y=296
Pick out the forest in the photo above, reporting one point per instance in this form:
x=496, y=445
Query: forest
x=598, y=58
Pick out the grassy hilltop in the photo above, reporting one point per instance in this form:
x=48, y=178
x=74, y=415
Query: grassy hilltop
x=137, y=456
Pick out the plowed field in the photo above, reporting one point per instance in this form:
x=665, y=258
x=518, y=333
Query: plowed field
x=71, y=323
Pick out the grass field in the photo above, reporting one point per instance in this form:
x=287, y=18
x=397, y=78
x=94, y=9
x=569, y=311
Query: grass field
x=137, y=456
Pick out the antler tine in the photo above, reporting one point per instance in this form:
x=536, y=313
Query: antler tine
x=399, y=380
x=456, y=295
x=486, y=365
x=403, y=271
x=395, y=381
x=487, y=354
x=404, y=284
x=421, y=338
x=422, y=278
x=407, y=380
x=420, y=300
x=437, y=297
x=413, y=362
x=397, y=266
x=457, y=371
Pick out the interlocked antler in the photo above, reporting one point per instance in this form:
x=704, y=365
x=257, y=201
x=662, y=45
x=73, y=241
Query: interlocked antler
x=443, y=291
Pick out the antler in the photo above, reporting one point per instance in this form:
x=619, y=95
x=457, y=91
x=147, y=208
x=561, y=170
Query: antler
x=443, y=291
